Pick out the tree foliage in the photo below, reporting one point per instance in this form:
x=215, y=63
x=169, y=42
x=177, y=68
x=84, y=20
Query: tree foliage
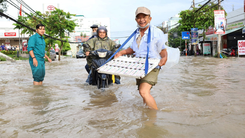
x=202, y=19
x=3, y=5
x=175, y=38
x=57, y=23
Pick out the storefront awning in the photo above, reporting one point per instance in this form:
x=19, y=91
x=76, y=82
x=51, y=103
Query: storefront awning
x=13, y=38
x=232, y=30
x=214, y=37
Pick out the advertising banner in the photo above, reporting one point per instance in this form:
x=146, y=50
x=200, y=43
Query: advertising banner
x=219, y=21
x=10, y=34
x=234, y=25
x=7, y=41
x=50, y=7
x=206, y=48
x=194, y=36
x=241, y=47
x=24, y=45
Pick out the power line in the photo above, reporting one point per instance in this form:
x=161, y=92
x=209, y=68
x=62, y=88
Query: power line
x=213, y=6
x=202, y=6
x=7, y=16
x=24, y=6
x=18, y=8
x=27, y=6
x=200, y=2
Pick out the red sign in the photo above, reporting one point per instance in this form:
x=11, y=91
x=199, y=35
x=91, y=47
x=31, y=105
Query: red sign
x=10, y=34
x=51, y=7
x=210, y=31
x=241, y=47
x=219, y=21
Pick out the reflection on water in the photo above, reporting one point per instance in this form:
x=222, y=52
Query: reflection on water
x=199, y=97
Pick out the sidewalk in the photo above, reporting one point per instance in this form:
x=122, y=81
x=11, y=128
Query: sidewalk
x=7, y=57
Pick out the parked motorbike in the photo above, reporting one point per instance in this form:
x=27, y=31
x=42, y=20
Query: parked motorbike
x=99, y=57
x=229, y=52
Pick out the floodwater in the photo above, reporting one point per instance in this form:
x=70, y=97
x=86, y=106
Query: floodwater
x=200, y=97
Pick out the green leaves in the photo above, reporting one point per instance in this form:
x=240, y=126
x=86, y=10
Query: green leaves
x=202, y=19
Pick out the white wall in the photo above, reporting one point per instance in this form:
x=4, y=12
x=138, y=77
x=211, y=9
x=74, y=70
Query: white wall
x=235, y=16
x=85, y=23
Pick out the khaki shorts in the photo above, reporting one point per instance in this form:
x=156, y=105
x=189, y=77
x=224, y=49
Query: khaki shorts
x=150, y=78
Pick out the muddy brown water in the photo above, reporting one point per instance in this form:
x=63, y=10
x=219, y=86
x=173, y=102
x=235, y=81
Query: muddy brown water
x=200, y=97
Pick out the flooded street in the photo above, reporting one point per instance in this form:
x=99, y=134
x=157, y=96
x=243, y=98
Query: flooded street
x=200, y=97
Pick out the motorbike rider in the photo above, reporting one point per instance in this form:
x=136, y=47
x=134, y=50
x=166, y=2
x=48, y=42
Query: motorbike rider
x=100, y=42
x=94, y=34
x=94, y=31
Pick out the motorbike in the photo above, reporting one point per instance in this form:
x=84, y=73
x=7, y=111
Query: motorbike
x=229, y=52
x=99, y=57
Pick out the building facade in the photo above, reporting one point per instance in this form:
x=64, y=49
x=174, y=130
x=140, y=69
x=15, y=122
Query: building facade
x=83, y=28
x=173, y=22
x=11, y=36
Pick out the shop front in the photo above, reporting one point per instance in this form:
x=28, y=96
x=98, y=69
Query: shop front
x=11, y=40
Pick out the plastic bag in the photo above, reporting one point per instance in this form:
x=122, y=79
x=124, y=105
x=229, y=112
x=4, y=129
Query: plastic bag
x=173, y=57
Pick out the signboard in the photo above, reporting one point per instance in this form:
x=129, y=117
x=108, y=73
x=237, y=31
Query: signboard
x=210, y=31
x=241, y=47
x=24, y=45
x=50, y=7
x=186, y=35
x=234, y=25
x=194, y=36
x=243, y=31
x=212, y=38
x=206, y=48
x=10, y=34
x=7, y=41
x=219, y=21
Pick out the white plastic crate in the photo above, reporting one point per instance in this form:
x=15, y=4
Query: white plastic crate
x=129, y=67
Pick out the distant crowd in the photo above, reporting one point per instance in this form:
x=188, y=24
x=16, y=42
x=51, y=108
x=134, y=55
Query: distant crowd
x=8, y=47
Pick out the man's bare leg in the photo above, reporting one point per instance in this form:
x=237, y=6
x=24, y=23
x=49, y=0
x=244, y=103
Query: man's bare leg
x=37, y=83
x=144, y=91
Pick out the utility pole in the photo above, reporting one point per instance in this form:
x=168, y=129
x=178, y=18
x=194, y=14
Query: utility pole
x=219, y=39
x=193, y=6
x=168, y=34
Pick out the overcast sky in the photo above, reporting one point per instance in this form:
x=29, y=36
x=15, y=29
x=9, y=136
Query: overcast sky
x=122, y=12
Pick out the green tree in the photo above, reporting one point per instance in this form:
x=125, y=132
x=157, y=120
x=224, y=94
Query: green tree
x=81, y=34
x=31, y=21
x=49, y=43
x=60, y=22
x=84, y=35
x=3, y=6
x=202, y=19
x=66, y=46
x=175, y=38
x=57, y=23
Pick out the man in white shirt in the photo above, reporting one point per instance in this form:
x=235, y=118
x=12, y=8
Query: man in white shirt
x=139, y=48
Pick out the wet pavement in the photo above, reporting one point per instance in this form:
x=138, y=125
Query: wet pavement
x=200, y=97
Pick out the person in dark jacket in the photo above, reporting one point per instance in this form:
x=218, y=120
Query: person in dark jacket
x=102, y=41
